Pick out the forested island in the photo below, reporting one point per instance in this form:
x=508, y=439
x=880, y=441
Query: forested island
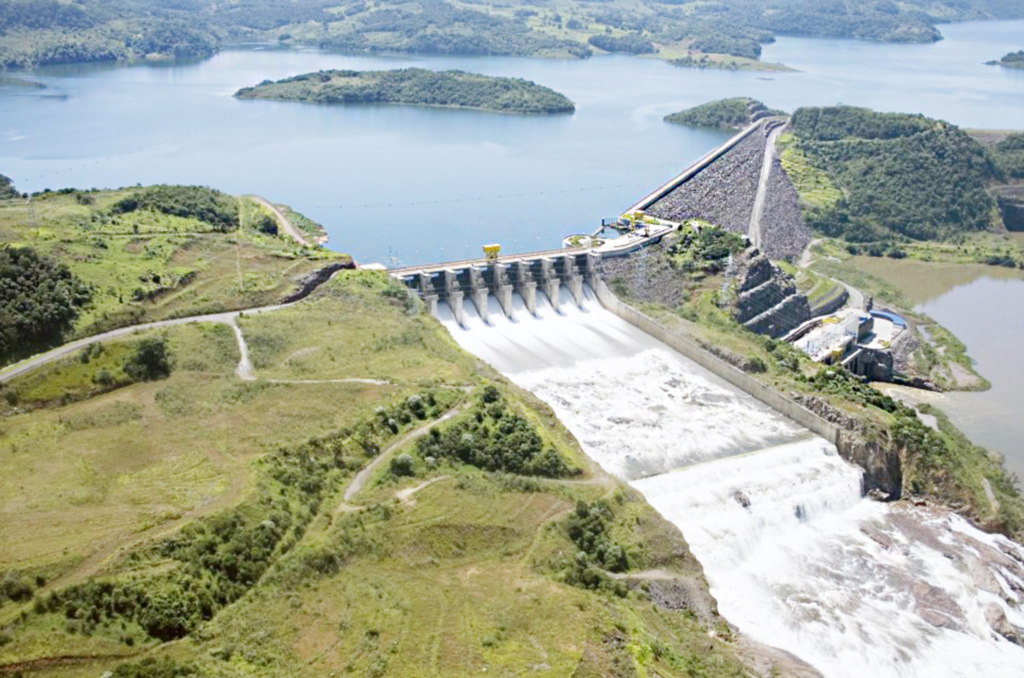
x=37, y=32
x=1011, y=60
x=725, y=113
x=415, y=87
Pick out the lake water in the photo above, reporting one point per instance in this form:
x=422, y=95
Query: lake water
x=984, y=307
x=426, y=185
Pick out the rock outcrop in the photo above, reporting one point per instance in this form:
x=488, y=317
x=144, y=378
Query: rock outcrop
x=767, y=301
x=784, y=234
x=723, y=193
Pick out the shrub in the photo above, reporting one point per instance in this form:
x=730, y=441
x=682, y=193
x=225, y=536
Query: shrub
x=150, y=361
x=402, y=465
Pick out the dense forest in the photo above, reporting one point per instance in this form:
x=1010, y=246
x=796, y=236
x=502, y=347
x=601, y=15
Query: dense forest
x=1009, y=157
x=896, y=175
x=39, y=301
x=725, y=113
x=36, y=32
x=414, y=86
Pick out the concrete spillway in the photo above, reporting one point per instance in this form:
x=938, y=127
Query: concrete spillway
x=795, y=556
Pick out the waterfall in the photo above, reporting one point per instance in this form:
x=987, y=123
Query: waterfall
x=794, y=555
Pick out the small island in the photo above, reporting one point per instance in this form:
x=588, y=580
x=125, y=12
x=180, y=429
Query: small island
x=415, y=87
x=725, y=114
x=1011, y=60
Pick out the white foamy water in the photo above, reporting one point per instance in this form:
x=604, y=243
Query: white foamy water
x=794, y=556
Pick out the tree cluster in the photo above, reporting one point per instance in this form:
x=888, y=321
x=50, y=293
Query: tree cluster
x=630, y=43
x=725, y=113
x=1013, y=59
x=415, y=86
x=7, y=189
x=40, y=300
x=598, y=554
x=193, y=202
x=1008, y=155
x=495, y=439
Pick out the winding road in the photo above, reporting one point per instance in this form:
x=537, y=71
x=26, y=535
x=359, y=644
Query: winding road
x=287, y=226
x=755, y=231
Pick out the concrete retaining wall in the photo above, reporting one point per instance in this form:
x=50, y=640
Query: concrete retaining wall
x=719, y=367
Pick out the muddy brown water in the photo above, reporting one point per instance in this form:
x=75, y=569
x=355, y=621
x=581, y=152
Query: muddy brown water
x=984, y=307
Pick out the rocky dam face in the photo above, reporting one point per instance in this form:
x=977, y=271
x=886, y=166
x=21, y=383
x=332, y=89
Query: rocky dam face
x=795, y=554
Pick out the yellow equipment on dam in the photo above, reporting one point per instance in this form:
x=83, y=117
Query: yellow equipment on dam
x=492, y=251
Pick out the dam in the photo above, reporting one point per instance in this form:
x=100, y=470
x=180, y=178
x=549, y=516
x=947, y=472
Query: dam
x=796, y=553
x=796, y=556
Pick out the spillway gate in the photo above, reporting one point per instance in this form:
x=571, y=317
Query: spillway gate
x=528, y=274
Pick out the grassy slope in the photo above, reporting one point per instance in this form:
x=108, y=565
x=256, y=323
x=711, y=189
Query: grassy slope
x=197, y=270
x=462, y=576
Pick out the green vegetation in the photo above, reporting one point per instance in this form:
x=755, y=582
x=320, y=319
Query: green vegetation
x=725, y=113
x=1009, y=156
x=494, y=439
x=703, y=249
x=40, y=300
x=38, y=32
x=414, y=86
x=205, y=507
x=7, y=190
x=189, y=202
x=1011, y=60
x=161, y=252
x=34, y=32
x=868, y=176
x=630, y=43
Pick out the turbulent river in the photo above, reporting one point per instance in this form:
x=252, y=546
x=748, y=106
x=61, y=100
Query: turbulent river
x=794, y=554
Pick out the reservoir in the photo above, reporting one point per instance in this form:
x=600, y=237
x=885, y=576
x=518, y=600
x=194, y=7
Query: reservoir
x=984, y=307
x=422, y=185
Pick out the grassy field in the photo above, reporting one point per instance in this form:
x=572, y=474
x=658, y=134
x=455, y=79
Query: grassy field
x=815, y=187
x=452, y=570
x=146, y=265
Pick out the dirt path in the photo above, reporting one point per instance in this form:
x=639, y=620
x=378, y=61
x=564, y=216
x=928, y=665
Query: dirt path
x=61, y=351
x=405, y=495
x=367, y=471
x=282, y=221
x=856, y=298
x=228, y=318
x=244, y=369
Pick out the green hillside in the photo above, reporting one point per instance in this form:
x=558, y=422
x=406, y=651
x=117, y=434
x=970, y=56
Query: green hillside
x=35, y=32
x=868, y=176
x=145, y=254
x=200, y=524
x=725, y=113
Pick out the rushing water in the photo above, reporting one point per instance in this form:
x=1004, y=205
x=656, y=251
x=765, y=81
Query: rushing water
x=432, y=185
x=984, y=307
x=796, y=558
